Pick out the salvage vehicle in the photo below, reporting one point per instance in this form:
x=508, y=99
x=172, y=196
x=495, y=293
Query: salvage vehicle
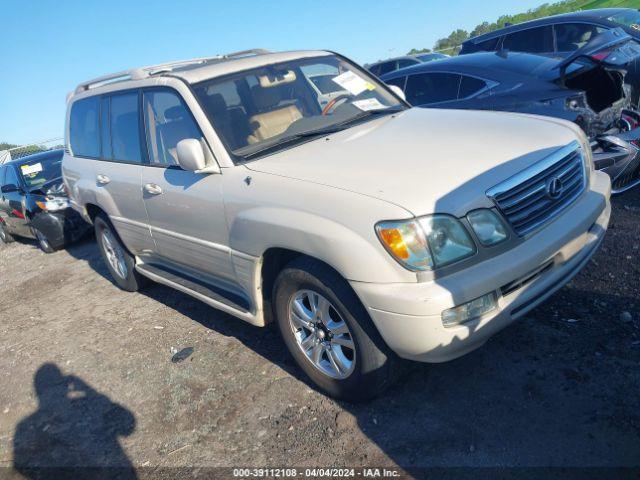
x=368, y=230
x=563, y=34
x=586, y=88
x=393, y=64
x=33, y=203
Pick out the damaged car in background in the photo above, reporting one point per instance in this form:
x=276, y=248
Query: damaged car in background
x=587, y=87
x=34, y=204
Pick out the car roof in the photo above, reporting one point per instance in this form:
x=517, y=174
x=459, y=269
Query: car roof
x=600, y=14
x=401, y=57
x=489, y=65
x=198, y=69
x=36, y=157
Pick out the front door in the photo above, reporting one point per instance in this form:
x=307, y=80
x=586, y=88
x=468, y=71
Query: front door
x=12, y=208
x=185, y=209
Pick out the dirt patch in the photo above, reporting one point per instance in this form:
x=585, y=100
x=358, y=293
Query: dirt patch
x=557, y=388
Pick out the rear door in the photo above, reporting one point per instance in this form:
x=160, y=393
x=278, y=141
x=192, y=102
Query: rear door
x=105, y=131
x=185, y=209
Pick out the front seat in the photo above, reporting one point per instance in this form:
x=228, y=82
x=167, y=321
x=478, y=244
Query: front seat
x=271, y=119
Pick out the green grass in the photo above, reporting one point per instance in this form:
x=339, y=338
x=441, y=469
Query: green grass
x=611, y=4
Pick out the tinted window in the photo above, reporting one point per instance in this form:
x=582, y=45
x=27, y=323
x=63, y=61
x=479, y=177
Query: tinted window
x=125, y=127
x=398, y=82
x=572, y=36
x=428, y=88
x=470, y=86
x=83, y=128
x=387, y=67
x=11, y=177
x=406, y=62
x=532, y=40
x=167, y=121
x=375, y=69
x=489, y=45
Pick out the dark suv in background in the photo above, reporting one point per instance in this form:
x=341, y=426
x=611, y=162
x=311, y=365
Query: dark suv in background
x=33, y=203
x=562, y=35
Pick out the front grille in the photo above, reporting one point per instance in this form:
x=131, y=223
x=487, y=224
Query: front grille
x=536, y=195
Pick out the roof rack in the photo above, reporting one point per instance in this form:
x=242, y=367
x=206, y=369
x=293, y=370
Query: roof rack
x=145, y=72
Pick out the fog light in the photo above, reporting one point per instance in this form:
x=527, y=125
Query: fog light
x=470, y=310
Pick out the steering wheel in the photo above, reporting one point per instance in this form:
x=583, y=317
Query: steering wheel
x=332, y=104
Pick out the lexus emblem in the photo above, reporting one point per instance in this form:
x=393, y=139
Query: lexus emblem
x=554, y=188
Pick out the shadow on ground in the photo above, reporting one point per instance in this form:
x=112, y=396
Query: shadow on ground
x=74, y=426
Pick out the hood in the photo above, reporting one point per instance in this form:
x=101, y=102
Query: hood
x=424, y=160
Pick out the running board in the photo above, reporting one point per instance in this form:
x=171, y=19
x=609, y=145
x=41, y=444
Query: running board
x=203, y=291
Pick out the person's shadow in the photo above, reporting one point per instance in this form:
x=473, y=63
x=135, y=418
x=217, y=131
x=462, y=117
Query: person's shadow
x=74, y=433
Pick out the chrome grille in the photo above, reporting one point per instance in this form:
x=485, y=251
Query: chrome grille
x=536, y=195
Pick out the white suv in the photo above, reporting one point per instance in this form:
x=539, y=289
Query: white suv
x=368, y=230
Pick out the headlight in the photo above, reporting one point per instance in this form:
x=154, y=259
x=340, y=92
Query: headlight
x=489, y=228
x=53, y=204
x=427, y=242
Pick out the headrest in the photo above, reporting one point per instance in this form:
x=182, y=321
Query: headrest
x=216, y=102
x=174, y=113
x=264, y=97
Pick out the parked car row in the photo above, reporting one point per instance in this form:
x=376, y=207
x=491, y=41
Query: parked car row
x=581, y=67
x=298, y=188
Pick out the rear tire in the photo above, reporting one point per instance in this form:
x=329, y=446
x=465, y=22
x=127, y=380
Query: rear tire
x=5, y=237
x=340, y=350
x=119, y=261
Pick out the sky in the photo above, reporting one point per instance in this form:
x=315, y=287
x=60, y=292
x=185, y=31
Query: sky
x=47, y=47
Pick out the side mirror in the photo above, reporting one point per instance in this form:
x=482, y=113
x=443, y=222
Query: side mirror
x=10, y=188
x=191, y=157
x=398, y=91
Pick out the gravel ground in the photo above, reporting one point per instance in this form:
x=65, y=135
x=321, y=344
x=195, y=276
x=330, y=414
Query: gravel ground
x=88, y=379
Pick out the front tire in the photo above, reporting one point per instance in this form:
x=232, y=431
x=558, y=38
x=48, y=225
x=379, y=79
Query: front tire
x=329, y=332
x=5, y=237
x=43, y=241
x=119, y=261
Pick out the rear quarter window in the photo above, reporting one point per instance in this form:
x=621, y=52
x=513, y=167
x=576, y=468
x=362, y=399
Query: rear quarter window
x=84, y=128
x=531, y=40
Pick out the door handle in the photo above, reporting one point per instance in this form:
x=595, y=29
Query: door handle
x=153, y=189
x=102, y=179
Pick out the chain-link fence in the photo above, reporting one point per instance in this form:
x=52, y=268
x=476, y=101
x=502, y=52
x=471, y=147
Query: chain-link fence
x=11, y=152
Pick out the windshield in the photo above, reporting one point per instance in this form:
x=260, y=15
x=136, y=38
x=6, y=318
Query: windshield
x=630, y=19
x=35, y=173
x=277, y=106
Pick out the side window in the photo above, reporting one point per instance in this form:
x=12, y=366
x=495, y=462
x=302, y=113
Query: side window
x=429, y=88
x=572, y=36
x=375, y=69
x=167, y=121
x=531, y=40
x=125, y=128
x=11, y=177
x=83, y=128
x=489, y=45
x=470, y=86
x=387, y=67
x=398, y=82
x=406, y=62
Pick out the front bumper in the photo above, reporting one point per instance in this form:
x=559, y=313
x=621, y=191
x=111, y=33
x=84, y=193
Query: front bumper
x=60, y=228
x=408, y=316
x=619, y=157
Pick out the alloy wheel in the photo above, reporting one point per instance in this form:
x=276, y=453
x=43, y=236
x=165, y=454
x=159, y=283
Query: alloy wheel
x=322, y=334
x=114, y=253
